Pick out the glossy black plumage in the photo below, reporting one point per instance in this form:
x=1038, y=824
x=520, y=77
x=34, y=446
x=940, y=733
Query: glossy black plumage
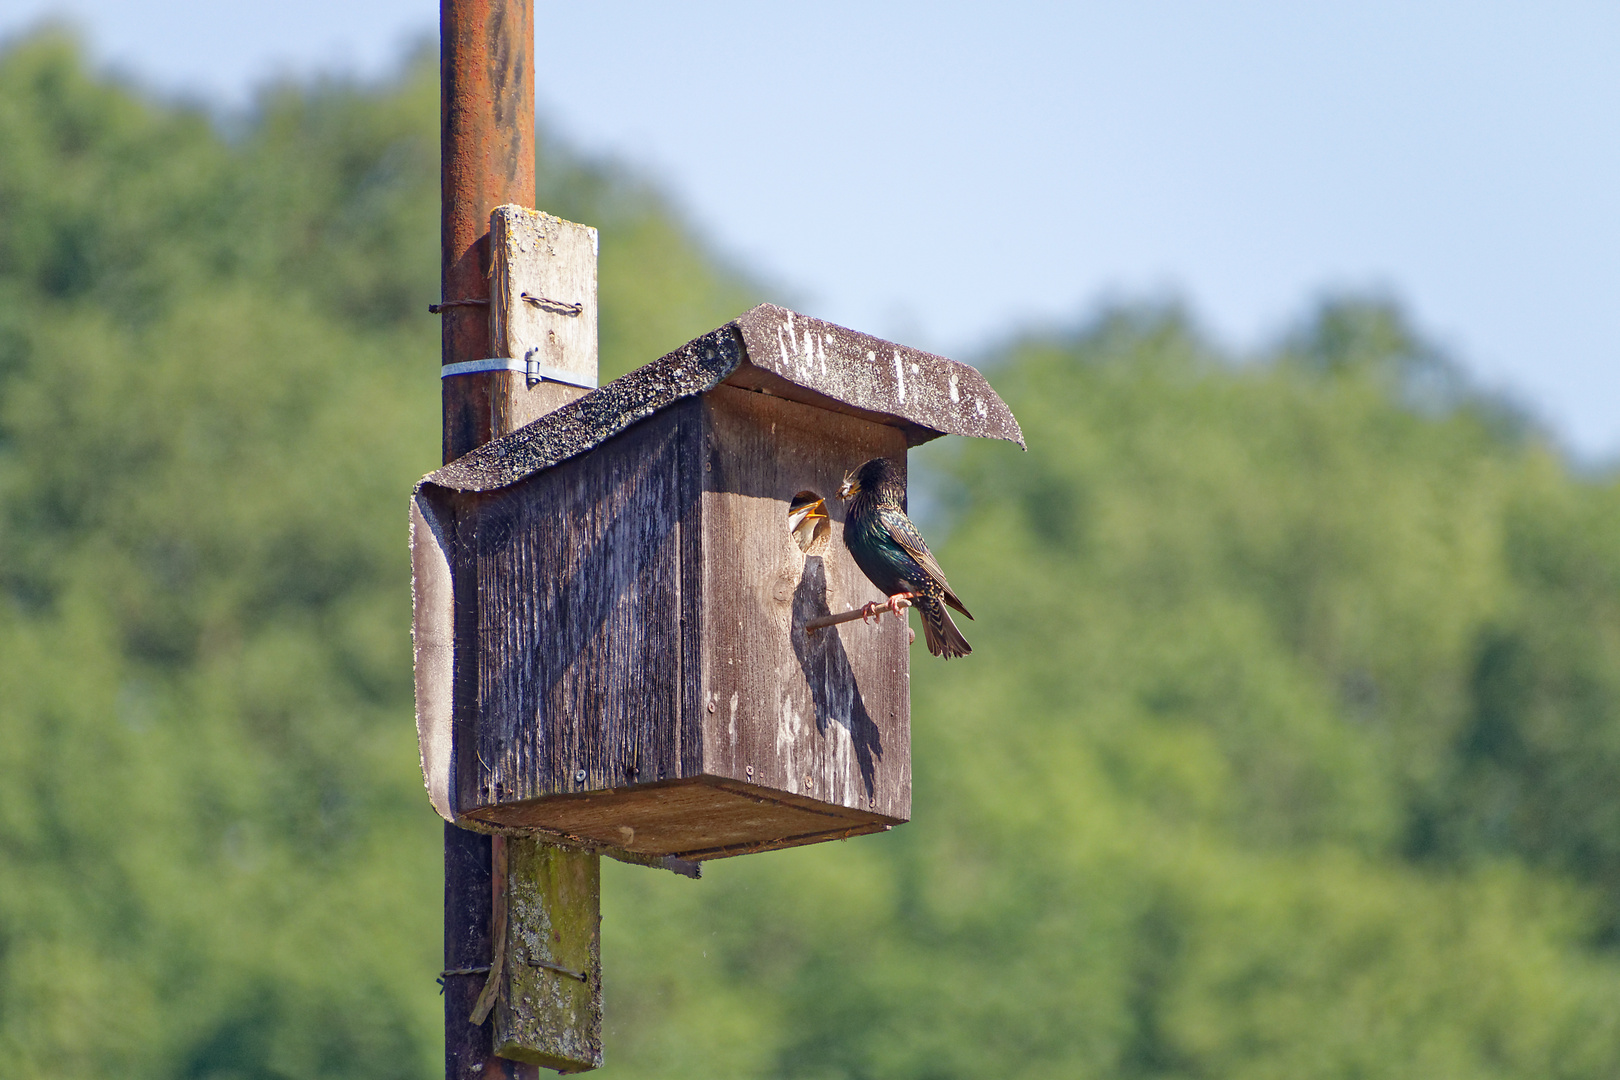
x=892, y=553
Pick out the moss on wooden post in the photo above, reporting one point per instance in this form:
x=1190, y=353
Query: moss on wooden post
x=548, y=1012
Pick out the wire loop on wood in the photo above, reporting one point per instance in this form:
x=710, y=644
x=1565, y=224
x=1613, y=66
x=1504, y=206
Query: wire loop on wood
x=436, y=309
x=561, y=306
x=452, y=972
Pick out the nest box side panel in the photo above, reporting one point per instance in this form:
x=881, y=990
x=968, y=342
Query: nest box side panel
x=582, y=658
x=822, y=718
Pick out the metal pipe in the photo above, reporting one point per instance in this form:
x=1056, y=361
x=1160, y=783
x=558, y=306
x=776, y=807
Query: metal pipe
x=486, y=148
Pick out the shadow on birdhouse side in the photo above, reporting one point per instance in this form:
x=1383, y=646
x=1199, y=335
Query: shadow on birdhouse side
x=610, y=602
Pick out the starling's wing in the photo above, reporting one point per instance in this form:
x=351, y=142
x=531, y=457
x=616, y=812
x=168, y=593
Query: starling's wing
x=904, y=533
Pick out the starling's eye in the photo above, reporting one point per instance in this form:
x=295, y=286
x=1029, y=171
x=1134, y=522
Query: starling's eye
x=807, y=521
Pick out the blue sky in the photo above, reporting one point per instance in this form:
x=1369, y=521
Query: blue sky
x=944, y=173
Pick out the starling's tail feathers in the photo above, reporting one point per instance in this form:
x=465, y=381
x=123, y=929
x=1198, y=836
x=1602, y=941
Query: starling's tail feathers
x=950, y=598
x=941, y=634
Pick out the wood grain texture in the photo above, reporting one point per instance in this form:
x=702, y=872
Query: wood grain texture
x=841, y=369
x=552, y=262
x=536, y=254
x=547, y=1016
x=579, y=579
x=433, y=641
x=824, y=715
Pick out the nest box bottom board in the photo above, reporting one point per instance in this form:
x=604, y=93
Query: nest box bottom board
x=704, y=817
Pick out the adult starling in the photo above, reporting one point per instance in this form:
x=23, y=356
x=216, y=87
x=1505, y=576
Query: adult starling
x=889, y=550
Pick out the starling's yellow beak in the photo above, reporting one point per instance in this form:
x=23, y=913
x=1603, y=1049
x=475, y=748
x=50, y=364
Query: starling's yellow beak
x=849, y=488
x=807, y=516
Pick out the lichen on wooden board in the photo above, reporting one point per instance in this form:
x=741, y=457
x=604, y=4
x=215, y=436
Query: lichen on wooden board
x=546, y=1013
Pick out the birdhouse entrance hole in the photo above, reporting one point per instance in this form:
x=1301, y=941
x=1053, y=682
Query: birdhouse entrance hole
x=808, y=522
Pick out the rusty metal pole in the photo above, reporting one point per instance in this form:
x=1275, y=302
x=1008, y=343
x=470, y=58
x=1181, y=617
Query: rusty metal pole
x=486, y=147
x=486, y=153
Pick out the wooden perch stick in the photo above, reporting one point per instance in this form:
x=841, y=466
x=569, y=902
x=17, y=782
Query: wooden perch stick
x=868, y=610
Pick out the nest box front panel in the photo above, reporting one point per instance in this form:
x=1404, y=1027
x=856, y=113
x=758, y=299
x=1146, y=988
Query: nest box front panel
x=820, y=718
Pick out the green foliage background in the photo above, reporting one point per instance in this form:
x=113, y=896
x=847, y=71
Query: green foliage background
x=1289, y=746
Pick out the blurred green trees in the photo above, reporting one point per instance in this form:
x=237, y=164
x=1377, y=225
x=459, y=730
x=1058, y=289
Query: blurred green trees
x=1290, y=746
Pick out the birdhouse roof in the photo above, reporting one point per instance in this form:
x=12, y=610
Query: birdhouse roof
x=770, y=350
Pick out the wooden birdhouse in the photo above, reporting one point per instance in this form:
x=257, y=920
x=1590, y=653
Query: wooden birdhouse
x=611, y=601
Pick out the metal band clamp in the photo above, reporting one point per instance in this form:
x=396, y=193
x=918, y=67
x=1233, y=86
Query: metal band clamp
x=535, y=371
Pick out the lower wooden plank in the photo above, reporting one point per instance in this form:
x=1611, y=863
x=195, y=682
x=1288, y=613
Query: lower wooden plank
x=549, y=1012
x=863, y=829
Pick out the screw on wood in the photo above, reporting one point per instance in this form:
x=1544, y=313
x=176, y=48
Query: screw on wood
x=562, y=306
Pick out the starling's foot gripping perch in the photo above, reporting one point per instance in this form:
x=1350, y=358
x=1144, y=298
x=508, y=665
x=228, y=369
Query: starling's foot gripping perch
x=875, y=609
x=897, y=603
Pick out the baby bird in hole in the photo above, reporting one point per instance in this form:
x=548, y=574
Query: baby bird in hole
x=892, y=553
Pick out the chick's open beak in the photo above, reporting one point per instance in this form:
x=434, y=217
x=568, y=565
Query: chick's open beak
x=801, y=513
x=807, y=519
